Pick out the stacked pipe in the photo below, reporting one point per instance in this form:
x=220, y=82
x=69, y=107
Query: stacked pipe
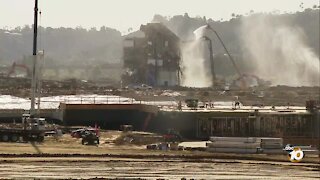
x=234, y=144
x=272, y=145
x=245, y=145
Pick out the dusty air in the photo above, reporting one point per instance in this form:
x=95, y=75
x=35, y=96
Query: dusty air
x=95, y=90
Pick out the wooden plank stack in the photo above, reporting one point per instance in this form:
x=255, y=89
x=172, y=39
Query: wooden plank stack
x=272, y=145
x=233, y=144
x=245, y=145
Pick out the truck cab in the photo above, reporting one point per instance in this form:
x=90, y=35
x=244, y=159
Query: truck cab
x=32, y=123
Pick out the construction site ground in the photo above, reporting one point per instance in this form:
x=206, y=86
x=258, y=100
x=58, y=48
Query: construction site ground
x=118, y=157
x=274, y=95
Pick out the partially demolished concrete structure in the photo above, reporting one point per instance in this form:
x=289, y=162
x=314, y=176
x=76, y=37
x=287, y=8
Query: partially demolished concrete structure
x=296, y=125
x=152, y=56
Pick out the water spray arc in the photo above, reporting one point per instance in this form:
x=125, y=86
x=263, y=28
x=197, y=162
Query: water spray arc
x=225, y=48
x=197, y=62
x=211, y=60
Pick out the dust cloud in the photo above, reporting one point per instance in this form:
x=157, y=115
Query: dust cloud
x=278, y=52
x=196, y=70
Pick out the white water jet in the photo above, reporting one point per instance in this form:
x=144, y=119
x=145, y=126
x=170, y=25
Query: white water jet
x=196, y=69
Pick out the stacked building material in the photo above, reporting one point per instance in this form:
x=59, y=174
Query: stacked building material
x=272, y=145
x=234, y=144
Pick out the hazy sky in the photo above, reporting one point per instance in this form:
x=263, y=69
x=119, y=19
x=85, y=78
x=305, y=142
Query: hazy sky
x=123, y=14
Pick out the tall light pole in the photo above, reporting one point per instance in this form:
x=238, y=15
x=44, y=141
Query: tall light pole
x=34, y=64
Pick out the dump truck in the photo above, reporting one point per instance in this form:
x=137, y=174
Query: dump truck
x=31, y=129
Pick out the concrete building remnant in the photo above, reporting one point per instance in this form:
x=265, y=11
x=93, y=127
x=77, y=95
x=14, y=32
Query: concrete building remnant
x=151, y=56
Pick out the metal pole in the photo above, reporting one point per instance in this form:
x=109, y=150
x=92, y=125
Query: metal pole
x=230, y=57
x=211, y=60
x=179, y=69
x=212, y=63
x=33, y=80
x=35, y=28
x=39, y=77
x=225, y=48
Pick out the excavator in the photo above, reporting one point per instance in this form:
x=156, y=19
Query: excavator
x=244, y=80
x=15, y=65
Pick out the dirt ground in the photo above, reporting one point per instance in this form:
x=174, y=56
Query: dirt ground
x=86, y=168
x=66, y=158
x=274, y=95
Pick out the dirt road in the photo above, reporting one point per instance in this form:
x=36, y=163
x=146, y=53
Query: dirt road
x=85, y=168
x=66, y=158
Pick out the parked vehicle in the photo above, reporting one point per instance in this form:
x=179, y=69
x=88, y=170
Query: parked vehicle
x=90, y=138
x=31, y=129
x=172, y=136
x=126, y=128
x=79, y=133
x=139, y=87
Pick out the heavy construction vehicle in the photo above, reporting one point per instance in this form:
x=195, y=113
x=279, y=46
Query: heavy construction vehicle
x=15, y=65
x=31, y=129
x=90, y=138
x=172, y=135
x=244, y=80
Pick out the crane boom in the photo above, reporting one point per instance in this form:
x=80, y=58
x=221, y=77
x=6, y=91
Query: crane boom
x=225, y=48
x=34, y=73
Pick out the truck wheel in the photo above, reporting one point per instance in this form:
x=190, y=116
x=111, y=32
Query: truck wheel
x=14, y=138
x=40, y=139
x=5, y=138
x=25, y=139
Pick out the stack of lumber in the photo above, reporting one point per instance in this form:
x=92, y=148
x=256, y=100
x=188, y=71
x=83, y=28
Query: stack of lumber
x=234, y=144
x=272, y=145
x=246, y=145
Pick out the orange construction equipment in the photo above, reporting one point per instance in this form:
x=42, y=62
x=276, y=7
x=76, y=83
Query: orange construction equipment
x=15, y=65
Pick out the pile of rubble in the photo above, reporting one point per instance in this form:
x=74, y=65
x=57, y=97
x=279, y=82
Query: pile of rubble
x=137, y=138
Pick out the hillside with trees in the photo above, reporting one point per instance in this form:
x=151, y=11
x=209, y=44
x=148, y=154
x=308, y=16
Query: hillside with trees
x=82, y=47
x=65, y=46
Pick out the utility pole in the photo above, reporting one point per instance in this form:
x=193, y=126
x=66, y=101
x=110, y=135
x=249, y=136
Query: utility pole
x=34, y=64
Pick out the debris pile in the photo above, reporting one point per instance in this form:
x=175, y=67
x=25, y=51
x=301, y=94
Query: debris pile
x=164, y=146
x=137, y=138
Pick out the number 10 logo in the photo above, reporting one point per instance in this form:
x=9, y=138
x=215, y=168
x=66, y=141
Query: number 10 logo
x=296, y=155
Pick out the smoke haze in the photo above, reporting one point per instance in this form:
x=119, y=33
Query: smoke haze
x=278, y=52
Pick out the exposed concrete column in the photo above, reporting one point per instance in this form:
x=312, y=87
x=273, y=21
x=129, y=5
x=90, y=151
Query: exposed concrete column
x=257, y=126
